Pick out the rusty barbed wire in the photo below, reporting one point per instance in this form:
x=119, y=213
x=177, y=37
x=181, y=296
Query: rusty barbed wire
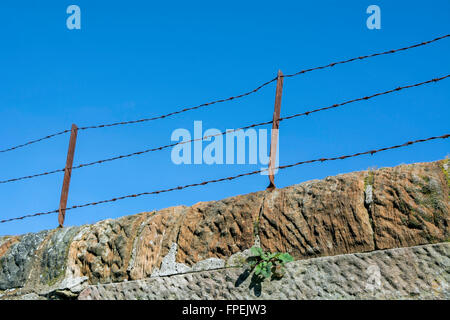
x=371, y=152
x=228, y=131
x=367, y=56
x=145, y=119
x=34, y=141
x=268, y=82
x=365, y=98
x=182, y=110
x=33, y=176
x=234, y=97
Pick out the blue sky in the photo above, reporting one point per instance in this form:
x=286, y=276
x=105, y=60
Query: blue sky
x=135, y=59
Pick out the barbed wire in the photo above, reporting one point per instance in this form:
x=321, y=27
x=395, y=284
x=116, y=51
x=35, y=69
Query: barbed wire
x=227, y=131
x=233, y=97
x=33, y=176
x=371, y=152
x=145, y=119
x=180, y=111
x=34, y=141
x=367, y=56
x=366, y=97
x=268, y=82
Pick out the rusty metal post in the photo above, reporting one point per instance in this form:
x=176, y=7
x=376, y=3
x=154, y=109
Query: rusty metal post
x=67, y=175
x=275, y=126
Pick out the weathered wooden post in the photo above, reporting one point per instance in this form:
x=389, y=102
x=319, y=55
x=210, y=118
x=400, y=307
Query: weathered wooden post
x=67, y=175
x=275, y=125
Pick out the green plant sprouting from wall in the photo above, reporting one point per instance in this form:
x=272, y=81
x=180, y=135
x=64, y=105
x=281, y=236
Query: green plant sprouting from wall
x=267, y=264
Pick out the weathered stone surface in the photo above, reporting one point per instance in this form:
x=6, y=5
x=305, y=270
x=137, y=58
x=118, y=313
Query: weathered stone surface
x=356, y=212
x=406, y=273
x=18, y=260
x=219, y=229
x=410, y=205
x=6, y=243
x=102, y=251
x=156, y=236
x=54, y=256
x=317, y=218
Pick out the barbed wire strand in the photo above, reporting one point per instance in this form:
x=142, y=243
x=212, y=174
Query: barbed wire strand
x=268, y=82
x=371, y=152
x=34, y=141
x=146, y=119
x=366, y=97
x=180, y=111
x=366, y=56
x=231, y=98
x=227, y=131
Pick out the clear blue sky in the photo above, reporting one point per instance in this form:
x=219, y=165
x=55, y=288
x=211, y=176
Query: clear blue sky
x=135, y=59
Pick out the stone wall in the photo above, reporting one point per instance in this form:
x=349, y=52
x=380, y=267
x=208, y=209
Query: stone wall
x=421, y=272
x=357, y=212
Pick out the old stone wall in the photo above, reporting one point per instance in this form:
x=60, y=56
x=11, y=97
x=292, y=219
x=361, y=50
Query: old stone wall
x=358, y=212
x=421, y=272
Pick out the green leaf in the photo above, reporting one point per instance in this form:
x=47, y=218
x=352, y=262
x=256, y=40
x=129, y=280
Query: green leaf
x=267, y=264
x=258, y=269
x=264, y=256
x=272, y=255
x=257, y=251
x=285, y=257
x=266, y=271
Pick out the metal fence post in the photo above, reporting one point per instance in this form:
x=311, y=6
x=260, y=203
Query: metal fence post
x=275, y=126
x=67, y=175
